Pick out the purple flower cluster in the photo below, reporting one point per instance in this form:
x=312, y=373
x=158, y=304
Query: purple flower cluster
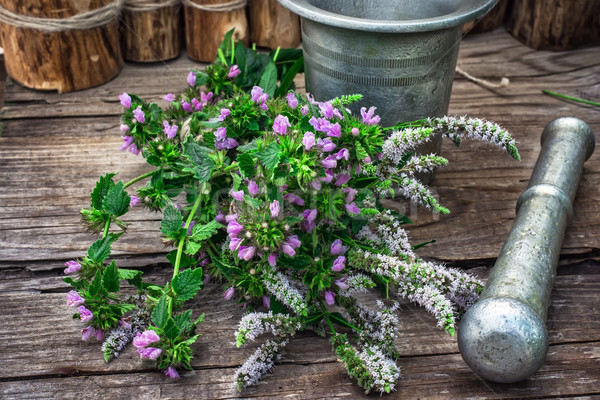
x=143, y=340
x=222, y=141
x=259, y=97
x=170, y=130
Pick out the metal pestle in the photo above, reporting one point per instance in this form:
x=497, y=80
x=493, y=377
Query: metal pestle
x=503, y=337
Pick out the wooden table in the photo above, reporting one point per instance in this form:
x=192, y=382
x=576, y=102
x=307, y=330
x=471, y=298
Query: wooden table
x=53, y=148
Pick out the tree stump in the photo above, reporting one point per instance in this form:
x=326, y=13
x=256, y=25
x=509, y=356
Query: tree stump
x=207, y=22
x=272, y=25
x=555, y=24
x=491, y=20
x=151, y=30
x=46, y=50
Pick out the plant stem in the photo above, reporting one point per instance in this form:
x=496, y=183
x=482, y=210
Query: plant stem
x=139, y=178
x=330, y=324
x=106, y=227
x=563, y=96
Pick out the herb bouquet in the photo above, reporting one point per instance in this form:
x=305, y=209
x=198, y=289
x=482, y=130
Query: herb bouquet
x=278, y=197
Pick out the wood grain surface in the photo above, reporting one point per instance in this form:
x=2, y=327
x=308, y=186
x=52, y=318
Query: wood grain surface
x=53, y=147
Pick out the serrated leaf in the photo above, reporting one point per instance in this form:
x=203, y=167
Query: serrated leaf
x=110, y=278
x=253, y=145
x=116, y=201
x=170, y=329
x=96, y=289
x=171, y=222
x=252, y=202
x=203, y=232
x=199, y=319
x=237, y=181
x=191, y=247
x=100, y=249
x=160, y=314
x=183, y=320
x=269, y=157
x=187, y=283
x=201, y=161
x=128, y=273
x=361, y=153
x=268, y=80
x=246, y=164
x=104, y=184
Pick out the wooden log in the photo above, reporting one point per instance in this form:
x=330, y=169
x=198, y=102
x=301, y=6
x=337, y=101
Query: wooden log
x=150, y=30
x=272, y=25
x=555, y=24
x=491, y=20
x=207, y=22
x=70, y=56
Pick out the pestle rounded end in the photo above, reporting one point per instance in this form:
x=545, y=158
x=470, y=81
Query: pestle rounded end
x=502, y=340
x=572, y=129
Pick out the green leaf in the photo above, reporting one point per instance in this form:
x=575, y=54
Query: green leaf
x=268, y=80
x=191, y=247
x=77, y=284
x=100, y=249
x=237, y=181
x=201, y=161
x=184, y=262
x=128, y=273
x=203, y=232
x=253, y=145
x=361, y=153
x=226, y=43
x=171, y=222
x=110, y=278
x=183, y=320
x=160, y=314
x=187, y=283
x=269, y=157
x=199, y=319
x=276, y=306
x=246, y=164
x=104, y=184
x=117, y=200
x=201, y=77
x=170, y=329
x=96, y=289
x=288, y=79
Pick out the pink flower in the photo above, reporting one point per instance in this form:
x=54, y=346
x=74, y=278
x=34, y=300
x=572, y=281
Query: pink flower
x=172, y=373
x=339, y=264
x=293, y=199
x=308, y=140
x=292, y=100
x=334, y=130
x=343, y=153
x=352, y=208
x=99, y=334
x=342, y=179
x=355, y=131
x=234, y=243
x=329, y=297
x=326, y=109
x=341, y=283
x=205, y=98
x=294, y=241
x=221, y=133
x=329, y=162
x=256, y=94
x=304, y=109
x=191, y=79
x=127, y=140
x=134, y=201
x=246, y=252
x=368, y=117
x=316, y=185
x=367, y=160
x=225, y=112
x=186, y=106
x=150, y=353
x=266, y=301
x=125, y=100
x=234, y=228
x=238, y=195
x=229, y=293
x=74, y=299
x=220, y=218
x=170, y=130
x=288, y=249
x=328, y=176
x=142, y=340
x=310, y=214
x=139, y=115
x=72, y=266
x=281, y=124
x=124, y=128
x=84, y=314
x=197, y=105
x=351, y=194
x=133, y=149
x=336, y=247
x=252, y=188
x=274, y=207
x=234, y=71
x=231, y=217
x=87, y=332
x=169, y=97
x=326, y=145
x=124, y=323
x=272, y=259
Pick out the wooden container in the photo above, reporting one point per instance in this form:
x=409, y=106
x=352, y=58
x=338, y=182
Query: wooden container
x=272, y=25
x=207, y=22
x=47, y=50
x=555, y=24
x=493, y=19
x=150, y=30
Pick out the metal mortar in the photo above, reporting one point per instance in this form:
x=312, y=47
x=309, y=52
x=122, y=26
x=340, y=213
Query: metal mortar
x=503, y=337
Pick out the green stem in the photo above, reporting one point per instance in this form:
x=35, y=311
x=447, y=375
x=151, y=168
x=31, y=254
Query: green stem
x=563, y=96
x=106, y=227
x=342, y=322
x=330, y=324
x=139, y=178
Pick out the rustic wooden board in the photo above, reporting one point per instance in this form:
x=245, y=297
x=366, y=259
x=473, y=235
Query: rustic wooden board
x=40, y=347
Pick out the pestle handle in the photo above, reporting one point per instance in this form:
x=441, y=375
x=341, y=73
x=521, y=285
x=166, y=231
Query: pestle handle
x=503, y=336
